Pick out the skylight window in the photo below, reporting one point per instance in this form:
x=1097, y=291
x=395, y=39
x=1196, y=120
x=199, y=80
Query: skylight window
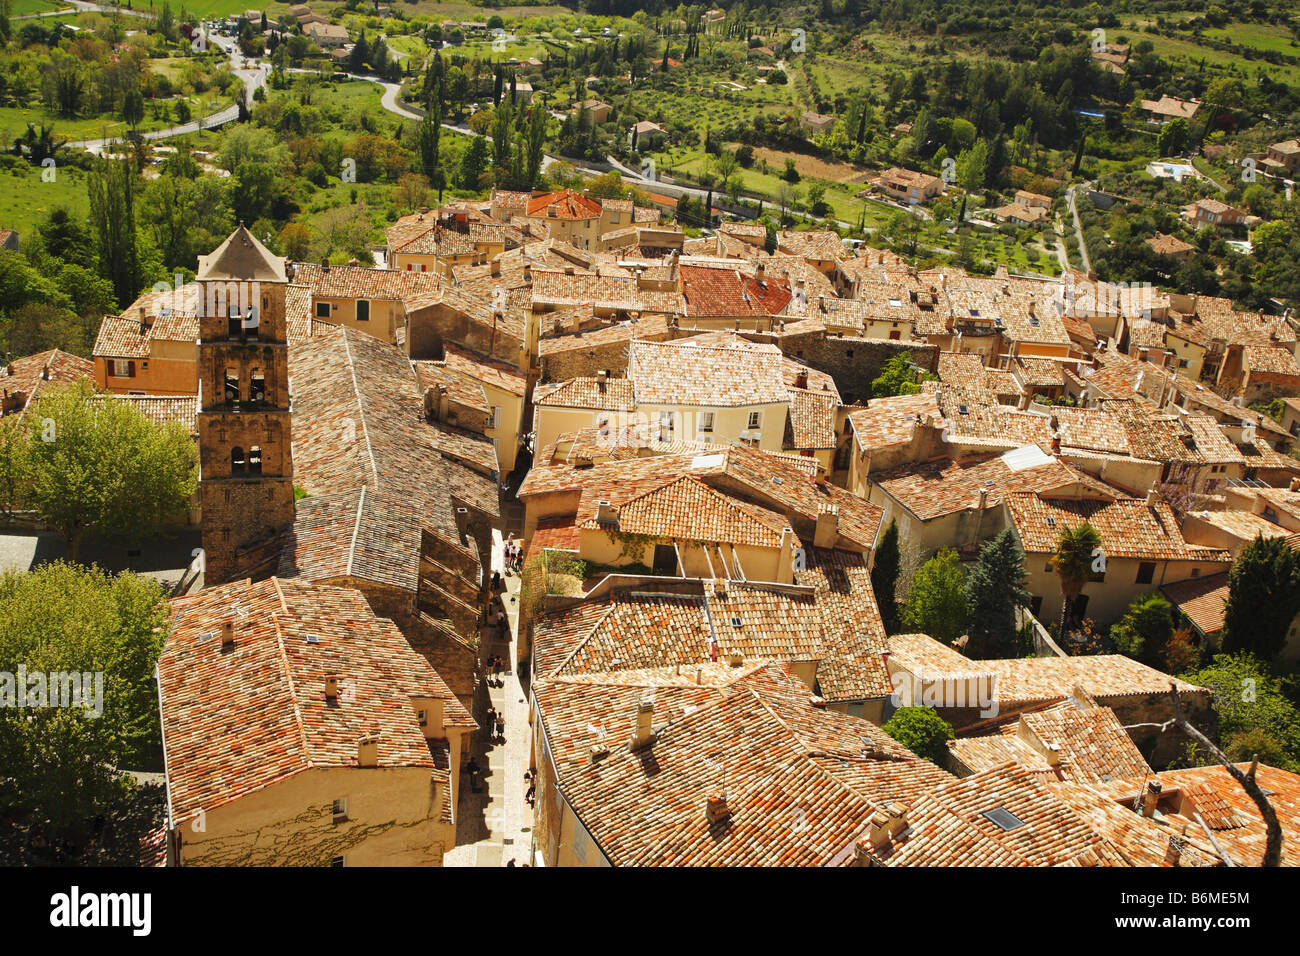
x=1003, y=818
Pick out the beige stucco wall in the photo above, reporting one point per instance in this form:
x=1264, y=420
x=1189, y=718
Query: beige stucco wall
x=393, y=820
x=386, y=316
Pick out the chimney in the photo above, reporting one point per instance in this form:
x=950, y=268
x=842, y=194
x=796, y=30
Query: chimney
x=434, y=717
x=1174, y=852
x=324, y=264
x=332, y=688
x=144, y=321
x=368, y=751
x=1152, y=497
x=528, y=271
x=716, y=809
x=1150, y=798
x=801, y=380
x=494, y=267
x=606, y=513
x=760, y=272
x=601, y=378
x=828, y=527
x=227, y=635
x=645, y=711
x=984, y=499
x=45, y=372
x=462, y=520
x=878, y=833
x=1053, y=754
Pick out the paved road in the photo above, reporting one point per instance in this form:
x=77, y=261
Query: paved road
x=252, y=76
x=1078, y=227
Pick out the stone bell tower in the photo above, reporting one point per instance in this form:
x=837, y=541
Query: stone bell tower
x=245, y=454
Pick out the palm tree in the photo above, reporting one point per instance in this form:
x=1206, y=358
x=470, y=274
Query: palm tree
x=1072, y=561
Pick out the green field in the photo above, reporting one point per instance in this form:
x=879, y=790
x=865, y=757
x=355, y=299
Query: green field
x=22, y=8
x=25, y=199
x=1260, y=36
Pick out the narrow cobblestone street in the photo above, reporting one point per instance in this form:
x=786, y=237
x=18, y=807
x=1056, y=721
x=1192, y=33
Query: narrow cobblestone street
x=493, y=826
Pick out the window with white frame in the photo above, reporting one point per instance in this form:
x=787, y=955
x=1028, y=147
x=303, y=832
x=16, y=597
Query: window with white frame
x=706, y=421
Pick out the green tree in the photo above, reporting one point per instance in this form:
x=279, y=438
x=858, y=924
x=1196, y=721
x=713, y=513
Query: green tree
x=96, y=466
x=1263, y=598
x=1256, y=714
x=474, y=163
x=994, y=590
x=1072, y=560
x=111, y=185
x=62, y=797
x=936, y=601
x=1145, y=628
x=896, y=378
x=972, y=166
x=886, y=561
x=1172, y=137
x=921, y=731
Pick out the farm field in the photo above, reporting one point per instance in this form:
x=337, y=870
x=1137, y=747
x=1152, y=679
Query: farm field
x=27, y=199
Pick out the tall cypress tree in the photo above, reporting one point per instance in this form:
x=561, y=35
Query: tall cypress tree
x=994, y=589
x=884, y=576
x=1263, y=598
x=111, y=188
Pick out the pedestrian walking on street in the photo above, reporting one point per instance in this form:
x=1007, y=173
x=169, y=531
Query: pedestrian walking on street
x=501, y=727
x=498, y=665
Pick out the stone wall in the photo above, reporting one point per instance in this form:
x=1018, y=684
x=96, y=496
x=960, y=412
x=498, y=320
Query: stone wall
x=854, y=363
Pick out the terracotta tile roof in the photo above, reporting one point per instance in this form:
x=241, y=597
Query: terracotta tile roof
x=852, y=667
x=788, y=484
x=1092, y=429
x=1127, y=527
x=237, y=722
x=357, y=282
x=615, y=394
x=944, y=486
x=814, y=244
x=485, y=370
x=358, y=419
x=973, y=418
x=726, y=292
x=687, y=509
x=363, y=534
x=27, y=376
x=1274, y=361
x=1229, y=811
x=160, y=409
x=1204, y=600
x=644, y=628
x=1026, y=680
x=617, y=293
x=891, y=421
x=812, y=419
x=1039, y=372
x=464, y=391
x=949, y=826
x=688, y=372
x=122, y=337
x=565, y=204
x=800, y=781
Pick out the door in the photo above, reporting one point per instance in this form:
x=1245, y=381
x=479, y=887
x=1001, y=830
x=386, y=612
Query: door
x=665, y=559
